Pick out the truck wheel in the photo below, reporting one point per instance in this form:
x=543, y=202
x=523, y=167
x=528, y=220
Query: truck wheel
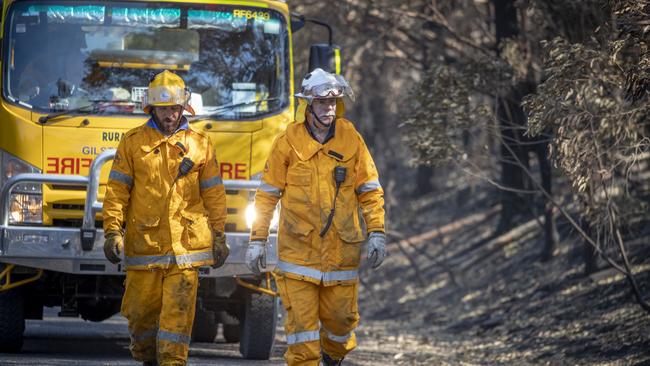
x=205, y=326
x=12, y=321
x=257, y=326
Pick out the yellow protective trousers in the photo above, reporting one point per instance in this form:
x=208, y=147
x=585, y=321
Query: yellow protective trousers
x=159, y=305
x=318, y=318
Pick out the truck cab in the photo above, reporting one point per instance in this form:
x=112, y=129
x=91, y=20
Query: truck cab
x=73, y=79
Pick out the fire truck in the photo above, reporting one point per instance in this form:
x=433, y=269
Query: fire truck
x=74, y=74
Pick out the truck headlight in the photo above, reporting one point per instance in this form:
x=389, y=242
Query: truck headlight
x=26, y=200
x=251, y=215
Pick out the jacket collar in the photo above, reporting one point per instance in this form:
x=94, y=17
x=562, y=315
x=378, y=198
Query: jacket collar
x=342, y=147
x=330, y=131
x=184, y=125
x=154, y=137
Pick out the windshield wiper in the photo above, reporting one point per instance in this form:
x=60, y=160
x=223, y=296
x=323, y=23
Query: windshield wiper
x=225, y=107
x=43, y=119
x=94, y=104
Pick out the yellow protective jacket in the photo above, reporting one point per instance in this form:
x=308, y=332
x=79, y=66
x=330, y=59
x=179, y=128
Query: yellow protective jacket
x=166, y=223
x=299, y=174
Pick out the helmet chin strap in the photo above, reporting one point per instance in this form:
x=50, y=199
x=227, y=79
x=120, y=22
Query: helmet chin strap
x=322, y=125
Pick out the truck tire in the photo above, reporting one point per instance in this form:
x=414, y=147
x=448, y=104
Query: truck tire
x=257, y=326
x=12, y=320
x=205, y=326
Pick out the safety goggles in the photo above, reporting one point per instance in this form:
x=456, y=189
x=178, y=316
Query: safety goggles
x=336, y=87
x=327, y=91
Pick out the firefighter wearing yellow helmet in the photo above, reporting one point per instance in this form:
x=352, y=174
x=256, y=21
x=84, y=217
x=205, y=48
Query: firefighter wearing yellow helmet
x=322, y=173
x=165, y=189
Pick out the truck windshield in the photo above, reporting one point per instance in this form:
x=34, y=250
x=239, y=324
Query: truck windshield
x=60, y=56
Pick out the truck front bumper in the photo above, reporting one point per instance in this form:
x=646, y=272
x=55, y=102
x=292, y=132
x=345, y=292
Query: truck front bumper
x=80, y=250
x=59, y=249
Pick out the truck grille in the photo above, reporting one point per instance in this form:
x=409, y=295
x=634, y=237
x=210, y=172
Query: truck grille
x=73, y=223
x=66, y=206
x=63, y=187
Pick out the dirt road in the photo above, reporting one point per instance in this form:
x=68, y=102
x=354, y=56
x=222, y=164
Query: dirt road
x=58, y=341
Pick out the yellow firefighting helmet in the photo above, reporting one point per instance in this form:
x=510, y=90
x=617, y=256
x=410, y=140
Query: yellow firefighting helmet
x=167, y=89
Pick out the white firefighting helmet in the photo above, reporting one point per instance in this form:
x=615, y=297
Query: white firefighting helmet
x=320, y=84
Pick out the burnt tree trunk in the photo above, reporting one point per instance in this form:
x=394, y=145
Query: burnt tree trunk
x=515, y=146
x=590, y=255
x=551, y=236
x=511, y=118
x=424, y=174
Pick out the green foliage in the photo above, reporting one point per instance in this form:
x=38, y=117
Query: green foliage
x=590, y=60
x=594, y=102
x=448, y=103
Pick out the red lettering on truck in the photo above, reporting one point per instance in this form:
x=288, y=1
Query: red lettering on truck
x=233, y=171
x=240, y=171
x=226, y=170
x=55, y=165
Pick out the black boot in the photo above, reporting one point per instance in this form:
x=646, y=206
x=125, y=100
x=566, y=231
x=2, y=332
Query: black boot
x=328, y=361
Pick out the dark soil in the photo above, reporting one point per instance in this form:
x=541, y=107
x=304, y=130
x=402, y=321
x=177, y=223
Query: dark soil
x=469, y=298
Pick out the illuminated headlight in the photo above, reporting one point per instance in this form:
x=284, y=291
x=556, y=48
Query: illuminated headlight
x=26, y=200
x=251, y=215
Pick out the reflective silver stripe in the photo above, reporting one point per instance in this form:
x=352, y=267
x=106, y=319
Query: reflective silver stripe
x=300, y=270
x=149, y=259
x=316, y=274
x=368, y=186
x=302, y=337
x=121, y=177
x=173, y=337
x=151, y=333
x=265, y=187
x=215, y=181
x=167, y=259
x=340, y=275
x=193, y=257
x=339, y=339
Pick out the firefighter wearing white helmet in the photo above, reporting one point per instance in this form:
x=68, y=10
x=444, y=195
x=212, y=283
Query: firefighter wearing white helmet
x=322, y=172
x=165, y=187
x=320, y=84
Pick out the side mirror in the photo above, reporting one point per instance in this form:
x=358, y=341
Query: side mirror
x=297, y=22
x=325, y=56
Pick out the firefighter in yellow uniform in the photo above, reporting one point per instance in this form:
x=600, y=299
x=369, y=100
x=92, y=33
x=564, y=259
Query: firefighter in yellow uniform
x=166, y=190
x=322, y=173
